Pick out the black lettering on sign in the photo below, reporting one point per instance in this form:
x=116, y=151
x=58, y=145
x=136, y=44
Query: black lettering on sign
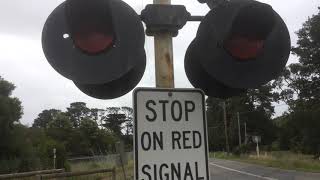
x=196, y=135
x=189, y=107
x=164, y=102
x=166, y=175
x=175, y=172
x=188, y=172
x=148, y=106
x=155, y=172
x=176, y=139
x=197, y=172
x=157, y=140
x=147, y=139
x=144, y=171
x=185, y=139
x=173, y=109
x=172, y=171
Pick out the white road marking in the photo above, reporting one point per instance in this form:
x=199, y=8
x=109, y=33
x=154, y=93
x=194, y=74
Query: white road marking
x=242, y=172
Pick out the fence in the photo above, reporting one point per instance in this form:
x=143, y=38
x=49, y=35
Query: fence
x=112, y=159
x=30, y=174
x=73, y=174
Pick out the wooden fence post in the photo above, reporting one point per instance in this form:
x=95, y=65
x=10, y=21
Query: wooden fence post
x=114, y=174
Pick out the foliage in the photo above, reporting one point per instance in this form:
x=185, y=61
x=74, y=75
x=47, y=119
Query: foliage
x=301, y=133
x=254, y=107
x=79, y=131
x=17, y=153
x=113, y=122
x=77, y=112
x=84, y=131
x=46, y=117
x=243, y=149
x=300, y=85
x=128, y=111
x=10, y=108
x=45, y=152
x=12, y=156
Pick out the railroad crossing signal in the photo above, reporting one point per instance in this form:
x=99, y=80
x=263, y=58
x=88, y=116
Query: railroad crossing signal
x=239, y=45
x=99, y=45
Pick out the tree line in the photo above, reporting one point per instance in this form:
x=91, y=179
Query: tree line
x=78, y=131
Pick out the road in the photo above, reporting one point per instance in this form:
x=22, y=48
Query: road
x=230, y=170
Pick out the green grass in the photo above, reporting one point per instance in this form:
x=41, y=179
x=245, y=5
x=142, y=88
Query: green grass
x=277, y=159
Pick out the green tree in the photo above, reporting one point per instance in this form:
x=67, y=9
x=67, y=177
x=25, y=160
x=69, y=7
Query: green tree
x=45, y=118
x=113, y=120
x=255, y=108
x=77, y=112
x=10, y=108
x=300, y=86
x=97, y=115
x=128, y=111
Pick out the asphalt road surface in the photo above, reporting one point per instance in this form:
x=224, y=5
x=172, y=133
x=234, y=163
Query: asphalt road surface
x=230, y=170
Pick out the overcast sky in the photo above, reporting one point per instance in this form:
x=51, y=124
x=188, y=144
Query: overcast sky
x=39, y=87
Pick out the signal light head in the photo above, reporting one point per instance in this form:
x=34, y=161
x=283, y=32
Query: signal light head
x=81, y=40
x=241, y=45
x=249, y=30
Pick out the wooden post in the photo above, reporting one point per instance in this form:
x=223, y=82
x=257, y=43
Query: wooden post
x=114, y=175
x=38, y=177
x=225, y=126
x=163, y=56
x=54, y=158
x=258, y=150
x=120, y=151
x=245, y=133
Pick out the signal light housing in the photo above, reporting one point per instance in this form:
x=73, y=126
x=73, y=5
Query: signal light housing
x=97, y=44
x=239, y=45
x=198, y=77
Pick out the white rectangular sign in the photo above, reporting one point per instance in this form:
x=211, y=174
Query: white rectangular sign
x=170, y=138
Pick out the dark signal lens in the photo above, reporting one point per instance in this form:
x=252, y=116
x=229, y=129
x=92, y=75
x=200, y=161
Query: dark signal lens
x=93, y=42
x=250, y=28
x=244, y=48
x=91, y=25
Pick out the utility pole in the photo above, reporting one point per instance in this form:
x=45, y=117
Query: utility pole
x=163, y=56
x=225, y=125
x=239, y=130
x=245, y=133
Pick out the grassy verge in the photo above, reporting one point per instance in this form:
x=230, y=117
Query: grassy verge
x=279, y=159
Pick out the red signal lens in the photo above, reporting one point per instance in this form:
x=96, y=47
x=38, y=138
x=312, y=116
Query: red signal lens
x=90, y=24
x=93, y=42
x=244, y=48
x=250, y=28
